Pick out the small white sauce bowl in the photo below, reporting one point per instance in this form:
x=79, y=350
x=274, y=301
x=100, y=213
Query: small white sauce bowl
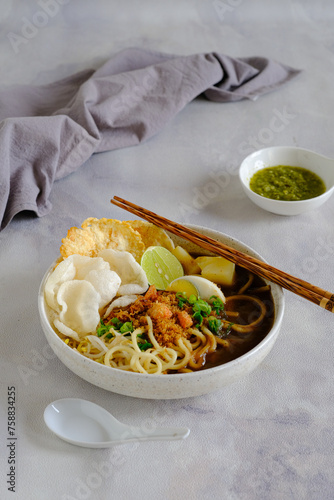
x=295, y=157
x=172, y=386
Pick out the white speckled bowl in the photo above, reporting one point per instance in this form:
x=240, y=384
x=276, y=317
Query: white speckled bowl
x=287, y=155
x=166, y=386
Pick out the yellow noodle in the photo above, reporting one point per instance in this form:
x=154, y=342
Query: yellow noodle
x=209, y=345
x=126, y=354
x=150, y=333
x=97, y=343
x=232, y=314
x=224, y=342
x=251, y=326
x=260, y=289
x=247, y=284
x=186, y=355
x=123, y=351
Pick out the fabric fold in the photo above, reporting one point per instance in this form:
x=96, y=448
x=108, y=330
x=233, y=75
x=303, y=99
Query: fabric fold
x=47, y=132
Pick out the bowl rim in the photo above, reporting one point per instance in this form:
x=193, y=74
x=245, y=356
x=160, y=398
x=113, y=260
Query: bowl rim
x=278, y=317
x=242, y=167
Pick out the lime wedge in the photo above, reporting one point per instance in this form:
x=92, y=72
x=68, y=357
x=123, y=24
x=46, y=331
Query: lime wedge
x=160, y=266
x=183, y=285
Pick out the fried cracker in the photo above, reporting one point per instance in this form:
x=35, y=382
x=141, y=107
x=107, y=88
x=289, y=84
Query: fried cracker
x=98, y=234
x=151, y=235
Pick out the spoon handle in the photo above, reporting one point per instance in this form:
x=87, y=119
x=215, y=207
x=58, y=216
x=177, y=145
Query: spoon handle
x=161, y=433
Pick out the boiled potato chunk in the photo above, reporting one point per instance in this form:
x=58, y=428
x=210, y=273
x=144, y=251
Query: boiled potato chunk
x=217, y=269
x=188, y=262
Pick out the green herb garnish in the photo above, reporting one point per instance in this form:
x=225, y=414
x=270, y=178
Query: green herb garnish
x=229, y=328
x=117, y=323
x=192, y=299
x=214, y=324
x=201, y=309
x=126, y=327
x=182, y=298
x=198, y=318
x=102, y=329
x=202, y=306
x=217, y=304
x=143, y=346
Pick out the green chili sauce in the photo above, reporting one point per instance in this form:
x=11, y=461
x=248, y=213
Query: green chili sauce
x=286, y=183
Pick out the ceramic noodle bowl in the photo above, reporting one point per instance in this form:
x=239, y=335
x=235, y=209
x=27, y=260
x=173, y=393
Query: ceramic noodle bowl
x=166, y=386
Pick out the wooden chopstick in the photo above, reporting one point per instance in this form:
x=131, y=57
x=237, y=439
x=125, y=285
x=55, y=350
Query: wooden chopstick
x=300, y=287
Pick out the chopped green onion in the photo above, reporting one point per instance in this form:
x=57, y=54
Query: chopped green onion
x=182, y=298
x=126, y=327
x=202, y=306
x=192, y=299
x=229, y=328
x=117, y=323
x=198, y=318
x=214, y=324
x=217, y=304
x=144, y=346
x=102, y=329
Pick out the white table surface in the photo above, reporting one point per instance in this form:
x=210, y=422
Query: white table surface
x=269, y=436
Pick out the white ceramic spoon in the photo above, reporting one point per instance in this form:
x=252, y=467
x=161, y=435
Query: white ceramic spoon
x=86, y=424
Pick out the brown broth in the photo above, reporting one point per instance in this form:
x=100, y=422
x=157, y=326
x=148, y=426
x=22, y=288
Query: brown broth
x=241, y=343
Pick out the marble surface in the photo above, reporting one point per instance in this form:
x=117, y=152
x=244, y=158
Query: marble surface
x=269, y=436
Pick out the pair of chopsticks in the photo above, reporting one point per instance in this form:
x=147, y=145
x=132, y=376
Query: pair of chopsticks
x=300, y=287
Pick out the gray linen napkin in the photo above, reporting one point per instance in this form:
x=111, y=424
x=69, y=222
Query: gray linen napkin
x=49, y=131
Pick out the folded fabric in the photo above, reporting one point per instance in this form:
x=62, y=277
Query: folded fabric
x=49, y=131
